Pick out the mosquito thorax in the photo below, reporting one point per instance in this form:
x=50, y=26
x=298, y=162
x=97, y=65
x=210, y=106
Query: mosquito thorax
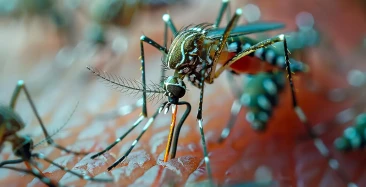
x=174, y=87
x=183, y=51
x=12, y=121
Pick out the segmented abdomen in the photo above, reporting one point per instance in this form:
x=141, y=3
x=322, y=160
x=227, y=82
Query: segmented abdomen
x=260, y=96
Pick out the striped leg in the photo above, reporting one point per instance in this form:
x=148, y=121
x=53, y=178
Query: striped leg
x=48, y=138
x=84, y=177
x=299, y=112
x=149, y=122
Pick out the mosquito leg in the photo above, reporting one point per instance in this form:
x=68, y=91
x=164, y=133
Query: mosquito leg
x=235, y=109
x=84, y=177
x=301, y=115
x=223, y=39
x=138, y=121
x=169, y=23
x=6, y=162
x=224, y=5
x=319, y=144
x=35, y=173
x=143, y=39
x=163, y=68
x=144, y=107
x=179, y=126
x=248, y=51
x=151, y=120
x=50, y=141
x=222, y=44
x=28, y=164
x=121, y=112
x=199, y=120
x=263, y=44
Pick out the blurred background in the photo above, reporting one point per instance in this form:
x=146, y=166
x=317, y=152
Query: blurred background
x=48, y=44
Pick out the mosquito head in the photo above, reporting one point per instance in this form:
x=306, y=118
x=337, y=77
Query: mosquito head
x=174, y=88
x=23, y=147
x=184, y=49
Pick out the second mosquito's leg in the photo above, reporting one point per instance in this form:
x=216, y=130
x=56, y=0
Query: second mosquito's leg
x=50, y=141
x=6, y=162
x=29, y=166
x=35, y=173
x=84, y=177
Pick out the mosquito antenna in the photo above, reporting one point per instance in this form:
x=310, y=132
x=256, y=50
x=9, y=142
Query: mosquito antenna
x=58, y=129
x=126, y=85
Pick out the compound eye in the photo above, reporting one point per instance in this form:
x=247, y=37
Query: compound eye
x=175, y=87
x=176, y=91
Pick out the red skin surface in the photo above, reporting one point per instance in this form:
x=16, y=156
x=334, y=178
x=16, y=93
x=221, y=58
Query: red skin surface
x=283, y=148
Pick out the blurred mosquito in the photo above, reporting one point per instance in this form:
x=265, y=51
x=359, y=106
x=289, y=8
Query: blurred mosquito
x=194, y=53
x=354, y=136
x=11, y=123
x=37, y=8
x=106, y=13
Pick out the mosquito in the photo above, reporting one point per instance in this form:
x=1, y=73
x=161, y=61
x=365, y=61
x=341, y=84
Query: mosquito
x=195, y=53
x=354, y=136
x=107, y=13
x=11, y=123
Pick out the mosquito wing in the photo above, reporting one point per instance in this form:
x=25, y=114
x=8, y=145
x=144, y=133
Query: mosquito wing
x=246, y=29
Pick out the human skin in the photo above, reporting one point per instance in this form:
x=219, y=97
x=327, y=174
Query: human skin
x=283, y=149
